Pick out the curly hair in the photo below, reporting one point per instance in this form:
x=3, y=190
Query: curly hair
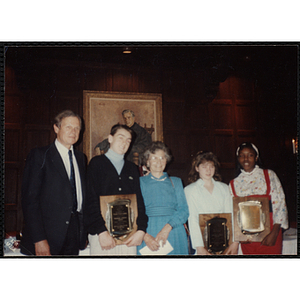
x=152, y=148
x=202, y=157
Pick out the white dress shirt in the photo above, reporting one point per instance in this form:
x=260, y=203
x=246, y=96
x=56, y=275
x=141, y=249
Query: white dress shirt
x=64, y=153
x=201, y=201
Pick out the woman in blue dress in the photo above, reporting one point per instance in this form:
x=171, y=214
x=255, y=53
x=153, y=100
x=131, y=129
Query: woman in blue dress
x=165, y=203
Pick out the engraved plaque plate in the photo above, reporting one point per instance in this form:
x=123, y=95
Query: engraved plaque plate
x=120, y=217
x=216, y=231
x=119, y=213
x=251, y=217
x=217, y=235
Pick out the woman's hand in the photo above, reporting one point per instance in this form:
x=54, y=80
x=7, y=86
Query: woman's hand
x=270, y=239
x=136, y=239
x=202, y=251
x=106, y=241
x=163, y=234
x=232, y=249
x=150, y=241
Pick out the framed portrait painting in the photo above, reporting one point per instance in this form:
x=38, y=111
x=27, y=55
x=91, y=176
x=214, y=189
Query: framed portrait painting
x=102, y=110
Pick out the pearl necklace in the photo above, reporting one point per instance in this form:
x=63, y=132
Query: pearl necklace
x=163, y=179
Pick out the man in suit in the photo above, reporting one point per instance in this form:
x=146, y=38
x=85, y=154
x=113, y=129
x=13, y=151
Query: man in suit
x=53, y=192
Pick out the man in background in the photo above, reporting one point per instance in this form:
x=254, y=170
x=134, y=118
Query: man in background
x=141, y=138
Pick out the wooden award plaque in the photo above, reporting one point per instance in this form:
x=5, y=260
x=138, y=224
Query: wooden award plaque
x=251, y=218
x=216, y=237
x=120, y=213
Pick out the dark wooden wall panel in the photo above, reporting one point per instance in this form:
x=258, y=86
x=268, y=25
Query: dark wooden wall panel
x=11, y=221
x=12, y=143
x=246, y=117
x=36, y=137
x=37, y=107
x=225, y=89
x=173, y=86
x=244, y=136
x=224, y=147
x=13, y=108
x=197, y=116
x=241, y=88
x=69, y=78
x=173, y=115
x=198, y=140
x=173, y=140
x=11, y=184
x=124, y=80
x=96, y=79
x=149, y=80
x=221, y=116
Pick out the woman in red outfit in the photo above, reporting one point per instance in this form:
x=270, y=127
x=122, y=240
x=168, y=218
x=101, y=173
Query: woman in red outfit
x=254, y=180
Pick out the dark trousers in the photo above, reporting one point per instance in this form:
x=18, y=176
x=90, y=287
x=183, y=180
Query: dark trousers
x=72, y=240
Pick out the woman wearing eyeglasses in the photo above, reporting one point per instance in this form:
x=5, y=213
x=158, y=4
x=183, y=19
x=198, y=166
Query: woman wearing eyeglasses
x=165, y=203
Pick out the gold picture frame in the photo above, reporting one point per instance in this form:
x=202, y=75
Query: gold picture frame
x=102, y=110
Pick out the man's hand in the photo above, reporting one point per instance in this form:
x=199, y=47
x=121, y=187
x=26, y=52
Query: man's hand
x=106, y=241
x=42, y=248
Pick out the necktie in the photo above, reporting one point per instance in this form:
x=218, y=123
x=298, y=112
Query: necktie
x=72, y=181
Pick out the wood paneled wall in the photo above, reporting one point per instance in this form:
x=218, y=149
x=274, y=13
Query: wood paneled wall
x=36, y=91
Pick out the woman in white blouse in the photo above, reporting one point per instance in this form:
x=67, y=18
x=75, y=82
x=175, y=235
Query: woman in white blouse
x=254, y=180
x=206, y=194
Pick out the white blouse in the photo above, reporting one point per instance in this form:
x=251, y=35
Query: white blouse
x=254, y=183
x=201, y=201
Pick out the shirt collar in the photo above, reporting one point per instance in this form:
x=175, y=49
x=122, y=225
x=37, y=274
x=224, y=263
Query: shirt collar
x=113, y=155
x=201, y=182
x=61, y=148
x=250, y=173
x=163, y=177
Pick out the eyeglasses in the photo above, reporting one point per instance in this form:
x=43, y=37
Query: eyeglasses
x=157, y=158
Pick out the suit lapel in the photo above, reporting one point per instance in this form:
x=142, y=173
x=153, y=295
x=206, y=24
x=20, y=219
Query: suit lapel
x=58, y=163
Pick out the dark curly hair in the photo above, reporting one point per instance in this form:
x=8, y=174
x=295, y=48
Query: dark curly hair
x=249, y=146
x=201, y=157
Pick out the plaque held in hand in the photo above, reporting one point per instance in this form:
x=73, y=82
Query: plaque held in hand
x=120, y=214
x=251, y=218
x=216, y=231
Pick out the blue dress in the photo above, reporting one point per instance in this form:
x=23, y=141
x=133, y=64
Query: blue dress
x=165, y=202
